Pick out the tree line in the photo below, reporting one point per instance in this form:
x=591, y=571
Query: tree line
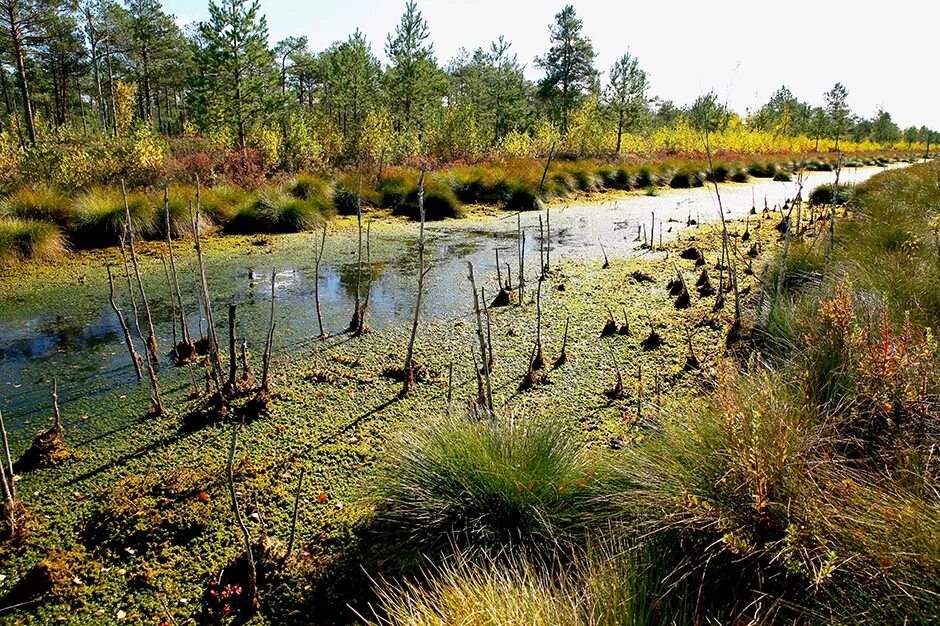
x=101, y=68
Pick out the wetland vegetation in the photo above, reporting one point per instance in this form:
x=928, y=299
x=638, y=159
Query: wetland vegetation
x=294, y=337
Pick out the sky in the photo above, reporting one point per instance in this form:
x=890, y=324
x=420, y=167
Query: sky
x=883, y=52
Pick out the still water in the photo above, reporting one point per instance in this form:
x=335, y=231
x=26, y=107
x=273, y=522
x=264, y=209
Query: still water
x=69, y=331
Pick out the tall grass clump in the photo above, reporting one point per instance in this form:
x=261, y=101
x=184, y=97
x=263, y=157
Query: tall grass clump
x=485, y=184
x=513, y=483
x=823, y=194
x=440, y=201
x=40, y=203
x=29, y=239
x=275, y=211
x=101, y=217
x=347, y=189
x=309, y=187
x=220, y=203
x=524, y=196
x=890, y=245
x=611, y=584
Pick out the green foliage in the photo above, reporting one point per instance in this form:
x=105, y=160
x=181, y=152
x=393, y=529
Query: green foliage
x=235, y=84
x=414, y=81
x=568, y=64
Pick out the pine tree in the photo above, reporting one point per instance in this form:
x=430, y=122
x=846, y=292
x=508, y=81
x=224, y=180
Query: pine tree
x=237, y=68
x=353, y=74
x=626, y=94
x=838, y=110
x=415, y=82
x=22, y=24
x=569, y=65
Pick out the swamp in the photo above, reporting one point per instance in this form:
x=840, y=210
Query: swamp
x=300, y=336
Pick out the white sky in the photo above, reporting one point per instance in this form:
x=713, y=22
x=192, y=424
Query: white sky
x=886, y=53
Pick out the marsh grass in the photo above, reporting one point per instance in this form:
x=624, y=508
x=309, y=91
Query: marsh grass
x=490, y=485
x=40, y=203
x=276, y=211
x=101, y=217
x=440, y=201
x=612, y=583
x=29, y=239
x=822, y=195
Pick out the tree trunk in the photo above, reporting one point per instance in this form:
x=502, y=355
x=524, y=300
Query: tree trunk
x=16, y=37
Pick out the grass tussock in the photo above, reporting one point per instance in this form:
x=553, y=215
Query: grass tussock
x=609, y=585
x=101, y=217
x=513, y=483
x=277, y=211
x=40, y=203
x=22, y=239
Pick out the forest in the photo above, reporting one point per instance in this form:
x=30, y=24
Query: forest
x=366, y=336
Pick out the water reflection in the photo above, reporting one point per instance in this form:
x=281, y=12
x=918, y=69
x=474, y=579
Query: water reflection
x=80, y=341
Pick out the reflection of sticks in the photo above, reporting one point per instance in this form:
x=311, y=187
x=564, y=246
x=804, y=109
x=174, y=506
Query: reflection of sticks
x=316, y=284
x=135, y=358
x=266, y=358
x=179, y=296
x=482, y=339
x=152, y=338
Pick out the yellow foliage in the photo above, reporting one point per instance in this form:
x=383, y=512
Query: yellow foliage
x=268, y=142
x=148, y=149
x=376, y=136
x=125, y=97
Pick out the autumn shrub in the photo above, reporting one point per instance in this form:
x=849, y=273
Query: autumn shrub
x=514, y=483
x=22, y=239
x=244, y=168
